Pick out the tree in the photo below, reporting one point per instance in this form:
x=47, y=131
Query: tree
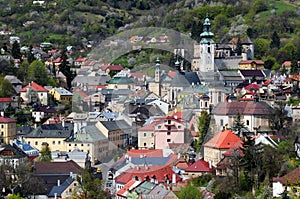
x=37, y=72
x=91, y=186
x=239, y=47
x=66, y=69
x=30, y=56
x=251, y=162
x=203, y=126
x=238, y=124
x=189, y=192
x=45, y=153
x=15, y=51
x=261, y=47
x=275, y=42
x=6, y=88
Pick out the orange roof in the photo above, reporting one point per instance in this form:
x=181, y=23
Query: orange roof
x=148, y=153
x=35, y=86
x=172, y=74
x=223, y=140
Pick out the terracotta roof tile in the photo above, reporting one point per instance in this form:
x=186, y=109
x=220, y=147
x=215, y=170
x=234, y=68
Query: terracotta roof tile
x=160, y=173
x=149, y=153
x=6, y=99
x=127, y=186
x=199, y=166
x=34, y=86
x=7, y=120
x=292, y=177
x=223, y=140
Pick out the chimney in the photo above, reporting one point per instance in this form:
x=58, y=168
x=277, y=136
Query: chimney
x=58, y=183
x=210, y=164
x=63, y=123
x=173, y=178
x=55, y=195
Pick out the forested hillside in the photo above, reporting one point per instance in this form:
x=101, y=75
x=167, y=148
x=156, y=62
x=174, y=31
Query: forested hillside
x=273, y=25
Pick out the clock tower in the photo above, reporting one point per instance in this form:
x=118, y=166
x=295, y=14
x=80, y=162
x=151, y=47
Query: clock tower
x=207, y=48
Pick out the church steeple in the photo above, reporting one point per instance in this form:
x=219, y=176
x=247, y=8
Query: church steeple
x=207, y=48
x=157, y=70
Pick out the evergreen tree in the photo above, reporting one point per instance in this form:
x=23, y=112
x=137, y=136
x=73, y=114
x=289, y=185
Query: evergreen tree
x=203, y=126
x=65, y=68
x=239, y=47
x=275, y=42
x=30, y=56
x=238, y=124
x=16, y=51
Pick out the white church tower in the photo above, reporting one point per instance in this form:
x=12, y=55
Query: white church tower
x=207, y=48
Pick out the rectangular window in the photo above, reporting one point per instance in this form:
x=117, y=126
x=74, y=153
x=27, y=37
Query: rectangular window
x=145, y=134
x=247, y=122
x=53, y=142
x=168, y=140
x=159, y=127
x=69, y=144
x=221, y=122
x=36, y=143
x=58, y=142
x=168, y=133
x=2, y=126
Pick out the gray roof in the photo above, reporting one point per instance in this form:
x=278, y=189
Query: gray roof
x=89, y=133
x=59, y=189
x=115, y=125
x=91, y=80
x=185, y=79
x=52, y=131
x=63, y=91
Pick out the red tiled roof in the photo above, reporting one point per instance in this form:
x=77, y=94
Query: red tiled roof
x=199, y=166
x=57, y=60
x=149, y=153
x=138, y=75
x=266, y=83
x=7, y=120
x=112, y=67
x=172, y=74
x=57, y=167
x=252, y=86
x=223, y=140
x=292, y=177
x=160, y=173
x=236, y=147
x=35, y=86
x=127, y=186
x=287, y=63
x=149, y=127
x=80, y=59
x=6, y=99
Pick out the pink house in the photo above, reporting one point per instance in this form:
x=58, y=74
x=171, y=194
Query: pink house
x=169, y=130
